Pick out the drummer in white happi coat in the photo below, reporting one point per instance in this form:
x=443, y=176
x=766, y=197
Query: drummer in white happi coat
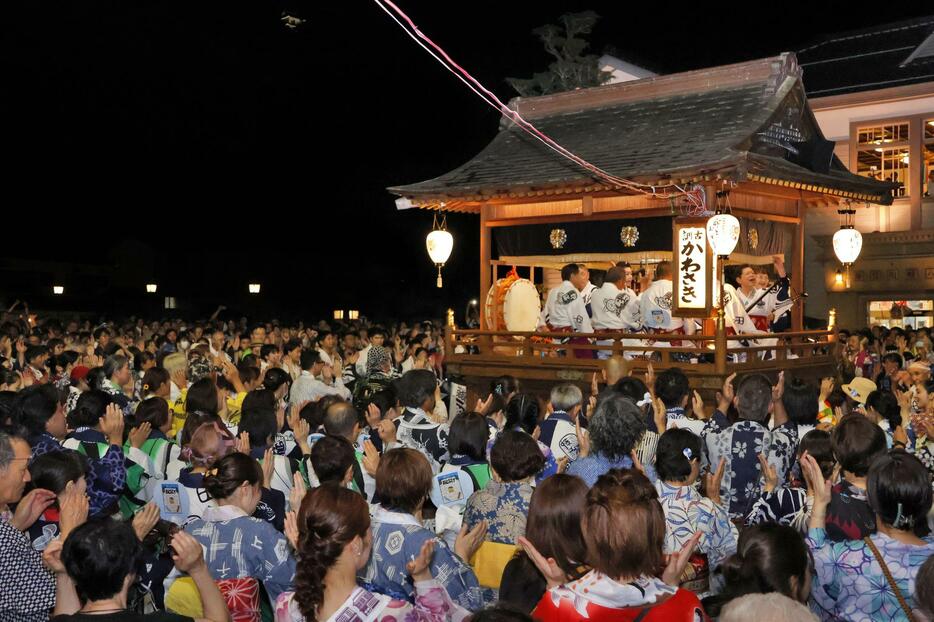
x=587, y=289
x=655, y=308
x=565, y=310
x=615, y=307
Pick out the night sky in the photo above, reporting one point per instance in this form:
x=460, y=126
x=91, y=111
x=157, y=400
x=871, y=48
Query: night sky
x=203, y=145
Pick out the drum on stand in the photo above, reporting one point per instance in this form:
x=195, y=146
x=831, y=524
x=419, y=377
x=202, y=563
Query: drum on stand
x=513, y=304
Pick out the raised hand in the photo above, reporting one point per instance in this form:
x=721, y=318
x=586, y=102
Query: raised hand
x=140, y=434
x=468, y=542
x=712, y=482
x=549, y=568
x=420, y=567
x=678, y=561
x=769, y=474
x=297, y=494
x=370, y=457
x=188, y=554
x=31, y=507
x=111, y=424
x=583, y=440
x=269, y=467
x=291, y=528
x=73, y=510
x=145, y=520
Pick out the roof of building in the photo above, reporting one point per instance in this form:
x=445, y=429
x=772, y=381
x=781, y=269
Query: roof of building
x=888, y=55
x=729, y=122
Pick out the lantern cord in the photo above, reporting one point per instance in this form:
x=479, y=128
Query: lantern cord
x=488, y=97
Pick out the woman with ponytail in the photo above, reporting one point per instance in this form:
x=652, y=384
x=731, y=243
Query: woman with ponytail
x=332, y=539
x=769, y=558
x=624, y=530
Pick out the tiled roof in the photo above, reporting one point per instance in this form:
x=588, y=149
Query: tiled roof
x=706, y=122
x=895, y=54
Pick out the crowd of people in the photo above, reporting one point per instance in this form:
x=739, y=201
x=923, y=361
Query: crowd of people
x=219, y=471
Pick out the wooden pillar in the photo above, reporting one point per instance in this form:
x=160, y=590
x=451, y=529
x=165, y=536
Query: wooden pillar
x=915, y=186
x=797, y=268
x=485, y=268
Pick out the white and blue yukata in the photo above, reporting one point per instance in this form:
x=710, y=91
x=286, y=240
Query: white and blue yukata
x=398, y=539
x=238, y=546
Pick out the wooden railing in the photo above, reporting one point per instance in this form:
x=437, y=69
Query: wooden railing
x=714, y=353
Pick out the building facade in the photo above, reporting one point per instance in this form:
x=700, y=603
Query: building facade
x=872, y=93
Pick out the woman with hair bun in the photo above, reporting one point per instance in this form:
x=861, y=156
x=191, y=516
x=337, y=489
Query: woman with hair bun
x=333, y=541
x=769, y=558
x=236, y=544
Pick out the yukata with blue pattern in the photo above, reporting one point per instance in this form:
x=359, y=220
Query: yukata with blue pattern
x=687, y=512
x=238, y=546
x=741, y=444
x=591, y=467
x=397, y=540
x=850, y=584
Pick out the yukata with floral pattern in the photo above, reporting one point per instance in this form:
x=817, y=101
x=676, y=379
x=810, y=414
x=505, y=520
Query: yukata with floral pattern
x=687, y=512
x=850, y=584
x=741, y=444
x=432, y=604
x=504, y=506
x=785, y=505
x=397, y=539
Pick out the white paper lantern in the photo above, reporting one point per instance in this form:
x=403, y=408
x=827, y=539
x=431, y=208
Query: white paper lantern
x=723, y=233
x=440, y=243
x=254, y=288
x=847, y=243
x=151, y=288
x=58, y=290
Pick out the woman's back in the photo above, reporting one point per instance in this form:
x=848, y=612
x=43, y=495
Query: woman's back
x=597, y=598
x=237, y=545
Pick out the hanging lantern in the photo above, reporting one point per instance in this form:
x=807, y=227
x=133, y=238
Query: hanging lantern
x=151, y=288
x=338, y=314
x=440, y=243
x=838, y=277
x=847, y=242
x=253, y=288
x=58, y=290
x=723, y=233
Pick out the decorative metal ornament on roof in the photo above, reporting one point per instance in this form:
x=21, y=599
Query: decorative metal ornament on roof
x=558, y=238
x=629, y=236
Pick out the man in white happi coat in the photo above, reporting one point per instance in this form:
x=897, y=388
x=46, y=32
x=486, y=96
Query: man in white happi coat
x=565, y=311
x=655, y=304
x=615, y=307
